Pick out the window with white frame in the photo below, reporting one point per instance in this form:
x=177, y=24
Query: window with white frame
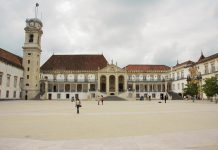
x=14, y=95
x=178, y=77
x=8, y=80
x=182, y=74
x=206, y=69
x=7, y=94
x=21, y=82
x=15, y=81
x=212, y=67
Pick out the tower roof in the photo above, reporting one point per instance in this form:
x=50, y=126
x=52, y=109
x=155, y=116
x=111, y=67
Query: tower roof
x=201, y=57
x=75, y=62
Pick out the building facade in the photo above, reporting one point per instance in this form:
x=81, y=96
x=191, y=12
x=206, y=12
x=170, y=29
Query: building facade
x=11, y=75
x=89, y=76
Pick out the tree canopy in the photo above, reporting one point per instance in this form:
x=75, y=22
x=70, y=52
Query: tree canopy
x=191, y=89
x=210, y=87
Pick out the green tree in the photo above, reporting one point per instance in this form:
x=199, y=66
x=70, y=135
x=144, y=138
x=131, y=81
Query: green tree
x=191, y=89
x=210, y=87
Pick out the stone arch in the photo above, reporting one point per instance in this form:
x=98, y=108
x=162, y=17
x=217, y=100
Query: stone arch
x=112, y=83
x=121, y=83
x=103, y=83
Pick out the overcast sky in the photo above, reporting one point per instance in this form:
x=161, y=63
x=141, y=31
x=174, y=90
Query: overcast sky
x=127, y=31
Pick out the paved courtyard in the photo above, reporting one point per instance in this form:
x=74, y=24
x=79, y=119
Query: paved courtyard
x=117, y=125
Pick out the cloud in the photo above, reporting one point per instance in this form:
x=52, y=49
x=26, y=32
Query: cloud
x=129, y=32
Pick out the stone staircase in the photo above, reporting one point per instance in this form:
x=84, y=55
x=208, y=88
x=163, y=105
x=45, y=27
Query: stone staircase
x=114, y=98
x=175, y=96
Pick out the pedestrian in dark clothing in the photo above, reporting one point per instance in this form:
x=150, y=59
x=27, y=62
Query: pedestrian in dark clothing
x=102, y=99
x=72, y=99
x=78, y=105
x=149, y=97
x=165, y=98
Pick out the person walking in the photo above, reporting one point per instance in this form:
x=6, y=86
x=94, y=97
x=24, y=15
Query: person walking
x=165, y=98
x=102, y=99
x=72, y=99
x=78, y=105
x=98, y=99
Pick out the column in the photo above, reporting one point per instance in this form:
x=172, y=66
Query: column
x=125, y=84
x=46, y=89
x=133, y=87
x=99, y=82
x=107, y=84
x=165, y=86
x=88, y=87
x=116, y=85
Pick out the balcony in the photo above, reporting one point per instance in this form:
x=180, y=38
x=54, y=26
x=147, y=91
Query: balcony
x=146, y=80
x=73, y=81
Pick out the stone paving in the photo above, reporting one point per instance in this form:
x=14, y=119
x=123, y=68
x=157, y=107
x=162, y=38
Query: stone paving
x=117, y=125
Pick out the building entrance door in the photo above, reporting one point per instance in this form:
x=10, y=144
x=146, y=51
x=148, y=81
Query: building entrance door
x=112, y=83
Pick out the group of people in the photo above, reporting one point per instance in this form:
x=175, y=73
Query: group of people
x=78, y=102
x=99, y=99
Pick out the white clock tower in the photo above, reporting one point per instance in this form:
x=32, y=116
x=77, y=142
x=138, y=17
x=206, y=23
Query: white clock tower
x=31, y=59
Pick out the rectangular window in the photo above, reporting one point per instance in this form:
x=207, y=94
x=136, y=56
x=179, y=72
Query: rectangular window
x=8, y=80
x=59, y=96
x=79, y=87
x=178, y=77
x=1, y=76
x=28, y=69
x=67, y=87
x=212, y=68
x=28, y=61
x=27, y=84
x=7, y=94
x=182, y=74
x=21, y=82
x=29, y=53
x=14, y=94
x=137, y=87
x=67, y=96
x=15, y=81
x=27, y=76
x=92, y=87
x=206, y=68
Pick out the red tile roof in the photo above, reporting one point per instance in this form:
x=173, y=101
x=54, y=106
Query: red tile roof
x=11, y=59
x=75, y=62
x=147, y=68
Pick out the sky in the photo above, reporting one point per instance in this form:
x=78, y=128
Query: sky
x=125, y=31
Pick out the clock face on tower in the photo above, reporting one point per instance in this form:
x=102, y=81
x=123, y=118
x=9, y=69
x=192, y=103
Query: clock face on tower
x=32, y=23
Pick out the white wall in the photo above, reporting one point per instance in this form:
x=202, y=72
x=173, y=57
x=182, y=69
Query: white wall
x=12, y=71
